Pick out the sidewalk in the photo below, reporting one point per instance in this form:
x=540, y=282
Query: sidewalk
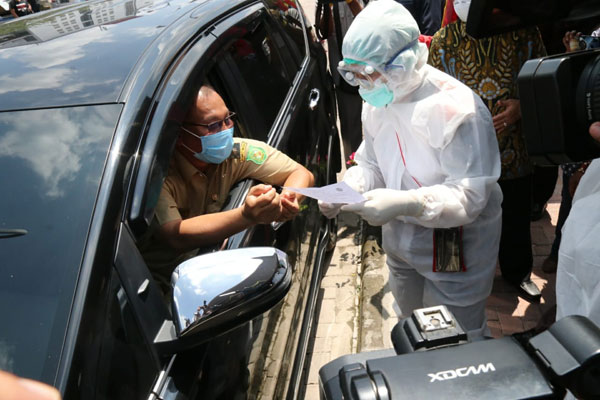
x=356, y=312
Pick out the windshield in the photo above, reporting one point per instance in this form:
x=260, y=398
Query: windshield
x=51, y=163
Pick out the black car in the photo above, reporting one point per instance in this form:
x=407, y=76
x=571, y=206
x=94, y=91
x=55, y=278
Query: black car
x=90, y=107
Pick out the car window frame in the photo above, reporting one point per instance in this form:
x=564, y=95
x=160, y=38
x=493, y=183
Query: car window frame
x=165, y=115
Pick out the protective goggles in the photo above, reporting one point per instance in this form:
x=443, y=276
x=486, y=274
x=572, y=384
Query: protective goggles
x=358, y=73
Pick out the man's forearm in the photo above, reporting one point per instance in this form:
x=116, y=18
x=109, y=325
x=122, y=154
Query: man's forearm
x=204, y=230
x=301, y=177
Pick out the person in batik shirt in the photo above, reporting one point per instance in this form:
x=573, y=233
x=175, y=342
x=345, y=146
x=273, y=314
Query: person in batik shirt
x=489, y=66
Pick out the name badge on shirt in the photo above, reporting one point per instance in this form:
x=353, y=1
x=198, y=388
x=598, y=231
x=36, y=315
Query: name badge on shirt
x=448, y=250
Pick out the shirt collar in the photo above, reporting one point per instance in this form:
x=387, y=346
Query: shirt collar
x=185, y=168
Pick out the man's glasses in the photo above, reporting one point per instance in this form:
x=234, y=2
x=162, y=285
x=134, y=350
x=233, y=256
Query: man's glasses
x=215, y=127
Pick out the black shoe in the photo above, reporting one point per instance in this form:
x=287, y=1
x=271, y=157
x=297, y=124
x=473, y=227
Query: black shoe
x=529, y=291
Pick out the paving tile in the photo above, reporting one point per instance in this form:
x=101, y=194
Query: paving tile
x=495, y=329
x=312, y=392
x=492, y=314
x=317, y=360
x=542, y=249
x=322, y=344
x=510, y=324
x=327, y=311
x=328, y=292
x=527, y=310
x=539, y=237
x=337, y=281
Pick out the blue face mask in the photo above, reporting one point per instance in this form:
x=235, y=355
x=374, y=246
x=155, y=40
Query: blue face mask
x=379, y=96
x=216, y=147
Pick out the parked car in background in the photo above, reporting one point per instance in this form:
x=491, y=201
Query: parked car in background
x=90, y=108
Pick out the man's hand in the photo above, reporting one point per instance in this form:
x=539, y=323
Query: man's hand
x=262, y=205
x=571, y=41
x=289, y=206
x=511, y=114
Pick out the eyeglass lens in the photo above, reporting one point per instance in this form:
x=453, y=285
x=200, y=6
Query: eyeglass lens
x=216, y=126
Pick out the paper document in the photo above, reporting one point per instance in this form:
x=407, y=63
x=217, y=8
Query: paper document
x=338, y=193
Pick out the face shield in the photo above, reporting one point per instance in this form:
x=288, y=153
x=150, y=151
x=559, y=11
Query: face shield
x=368, y=76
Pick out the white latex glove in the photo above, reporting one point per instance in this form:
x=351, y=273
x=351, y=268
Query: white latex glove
x=329, y=210
x=383, y=205
x=354, y=178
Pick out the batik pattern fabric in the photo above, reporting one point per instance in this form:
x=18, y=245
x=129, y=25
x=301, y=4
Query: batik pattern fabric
x=490, y=66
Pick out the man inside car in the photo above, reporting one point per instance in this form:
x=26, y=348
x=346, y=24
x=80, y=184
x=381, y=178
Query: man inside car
x=206, y=163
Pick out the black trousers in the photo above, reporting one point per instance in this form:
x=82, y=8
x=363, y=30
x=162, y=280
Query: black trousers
x=544, y=180
x=515, y=256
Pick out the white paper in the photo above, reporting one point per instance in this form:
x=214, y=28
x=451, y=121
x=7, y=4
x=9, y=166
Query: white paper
x=337, y=193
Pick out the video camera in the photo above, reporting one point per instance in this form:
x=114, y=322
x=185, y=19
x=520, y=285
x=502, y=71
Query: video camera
x=560, y=94
x=432, y=359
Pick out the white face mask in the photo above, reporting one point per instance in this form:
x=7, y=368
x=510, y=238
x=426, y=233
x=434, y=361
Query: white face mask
x=461, y=8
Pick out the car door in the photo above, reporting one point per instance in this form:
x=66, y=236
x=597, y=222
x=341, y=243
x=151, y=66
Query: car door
x=267, y=74
x=258, y=358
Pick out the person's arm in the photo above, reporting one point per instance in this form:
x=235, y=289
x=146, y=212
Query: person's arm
x=262, y=205
x=571, y=41
x=431, y=16
x=290, y=201
x=355, y=6
x=595, y=131
x=12, y=6
x=471, y=166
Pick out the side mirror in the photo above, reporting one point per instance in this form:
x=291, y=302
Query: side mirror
x=216, y=292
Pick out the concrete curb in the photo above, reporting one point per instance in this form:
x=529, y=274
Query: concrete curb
x=376, y=314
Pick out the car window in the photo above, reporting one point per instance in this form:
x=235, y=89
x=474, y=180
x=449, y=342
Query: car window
x=258, y=63
x=290, y=20
x=252, y=63
x=51, y=164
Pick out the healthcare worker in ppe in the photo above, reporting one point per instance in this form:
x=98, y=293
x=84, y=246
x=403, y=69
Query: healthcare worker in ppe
x=428, y=167
x=578, y=274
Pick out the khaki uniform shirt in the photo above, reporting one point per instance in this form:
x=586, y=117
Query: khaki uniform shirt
x=188, y=192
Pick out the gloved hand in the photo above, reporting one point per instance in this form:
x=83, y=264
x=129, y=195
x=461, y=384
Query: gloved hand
x=354, y=178
x=329, y=210
x=383, y=205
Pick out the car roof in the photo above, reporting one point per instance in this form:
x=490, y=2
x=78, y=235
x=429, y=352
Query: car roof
x=84, y=53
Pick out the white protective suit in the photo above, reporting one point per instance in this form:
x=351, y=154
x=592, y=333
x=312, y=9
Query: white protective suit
x=578, y=273
x=436, y=147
